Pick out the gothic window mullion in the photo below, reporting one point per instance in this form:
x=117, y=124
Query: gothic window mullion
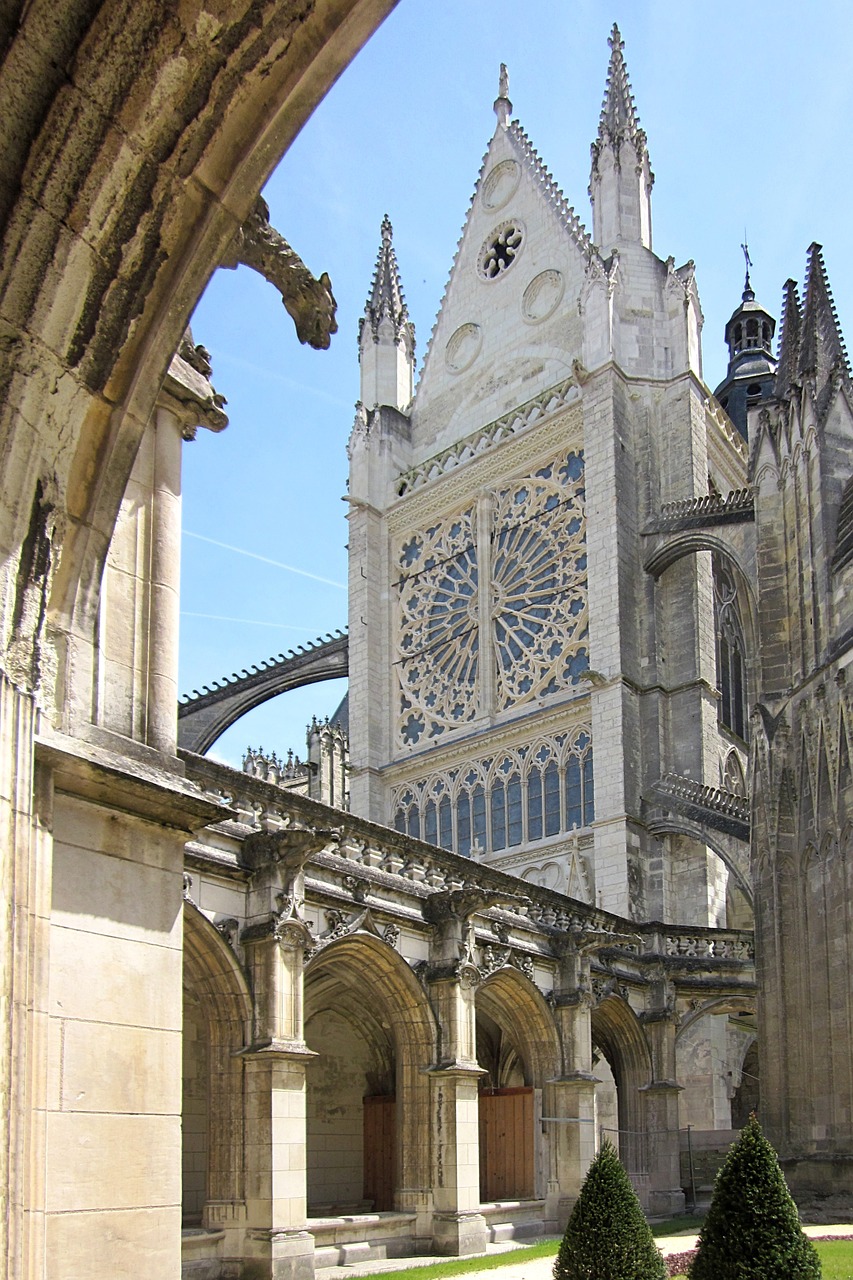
x=485, y=505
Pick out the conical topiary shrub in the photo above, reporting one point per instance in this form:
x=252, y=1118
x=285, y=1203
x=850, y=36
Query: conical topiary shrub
x=752, y=1231
x=607, y=1236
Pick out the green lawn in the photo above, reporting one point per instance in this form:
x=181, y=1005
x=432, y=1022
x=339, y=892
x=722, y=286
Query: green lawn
x=836, y=1256
x=836, y=1259
x=546, y=1248
x=686, y=1225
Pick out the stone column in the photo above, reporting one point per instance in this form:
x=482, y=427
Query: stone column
x=570, y=1097
x=666, y=1196
x=277, y=1240
x=165, y=569
x=453, y=978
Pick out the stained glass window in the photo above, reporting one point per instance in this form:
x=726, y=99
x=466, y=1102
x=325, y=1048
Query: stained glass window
x=528, y=796
x=731, y=676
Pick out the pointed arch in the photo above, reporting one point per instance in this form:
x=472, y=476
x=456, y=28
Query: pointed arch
x=717, y=1004
x=398, y=1027
x=806, y=818
x=514, y=1002
x=216, y=981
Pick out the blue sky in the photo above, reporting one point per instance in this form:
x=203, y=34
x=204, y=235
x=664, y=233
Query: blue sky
x=747, y=110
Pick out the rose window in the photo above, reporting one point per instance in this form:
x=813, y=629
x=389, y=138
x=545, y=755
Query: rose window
x=501, y=250
x=535, y=563
x=439, y=641
x=539, y=584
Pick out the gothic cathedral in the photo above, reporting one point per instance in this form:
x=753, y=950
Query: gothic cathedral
x=599, y=618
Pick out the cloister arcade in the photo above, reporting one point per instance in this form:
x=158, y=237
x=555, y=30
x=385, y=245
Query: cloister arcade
x=425, y=1063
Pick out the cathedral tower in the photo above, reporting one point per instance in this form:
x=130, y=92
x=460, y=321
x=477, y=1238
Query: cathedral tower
x=520, y=682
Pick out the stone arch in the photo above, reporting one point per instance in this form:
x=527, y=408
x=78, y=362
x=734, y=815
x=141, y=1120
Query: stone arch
x=134, y=208
x=216, y=982
x=514, y=1002
x=732, y=775
x=618, y=1033
x=679, y=545
x=725, y=847
x=519, y=1048
x=398, y=1035
x=720, y=1004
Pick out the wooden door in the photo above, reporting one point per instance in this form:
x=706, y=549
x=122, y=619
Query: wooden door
x=506, y=1144
x=380, y=1147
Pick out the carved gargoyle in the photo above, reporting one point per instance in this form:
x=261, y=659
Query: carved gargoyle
x=310, y=302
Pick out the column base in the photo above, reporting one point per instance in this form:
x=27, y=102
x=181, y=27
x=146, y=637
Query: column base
x=459, y=1234
x=278, y=1255
x=821, y=1184
x=666, y=1204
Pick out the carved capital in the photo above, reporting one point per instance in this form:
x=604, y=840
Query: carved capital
x=288, y=850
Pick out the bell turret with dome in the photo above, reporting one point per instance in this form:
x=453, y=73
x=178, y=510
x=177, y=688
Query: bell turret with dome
x=751, y=374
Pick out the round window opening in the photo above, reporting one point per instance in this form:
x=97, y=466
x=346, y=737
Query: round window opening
x=501, y=250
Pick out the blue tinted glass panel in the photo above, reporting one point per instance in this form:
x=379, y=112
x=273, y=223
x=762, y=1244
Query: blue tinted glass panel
x=430, y=825
x=463, y=824
x=514, y=815
x=445, y=823
x=588, y=790
x=479, y=811
x=574, y=814
x=498, y=817
x=552, y=800
x=534, y=805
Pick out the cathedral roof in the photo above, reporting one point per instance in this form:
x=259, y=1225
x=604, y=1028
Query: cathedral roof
x=386, y=294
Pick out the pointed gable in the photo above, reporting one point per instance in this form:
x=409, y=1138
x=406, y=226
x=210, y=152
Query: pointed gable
x=822, y=349
x=508, y=326
x=789, y=340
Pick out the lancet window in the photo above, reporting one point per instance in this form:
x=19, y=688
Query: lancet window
x=731, y=651
x=517, y=798
x=492, y=604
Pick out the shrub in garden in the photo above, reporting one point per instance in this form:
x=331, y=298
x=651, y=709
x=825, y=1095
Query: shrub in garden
x=752, y=1231
x=607, y=1236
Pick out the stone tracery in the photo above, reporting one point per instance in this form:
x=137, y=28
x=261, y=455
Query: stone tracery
x=539, y=606
x=522, y=794
x=536, y=567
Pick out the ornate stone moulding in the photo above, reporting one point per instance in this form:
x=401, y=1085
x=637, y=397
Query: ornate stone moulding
x=500, y=185
x=484, y=438
x=542, y=296
x=463, y=348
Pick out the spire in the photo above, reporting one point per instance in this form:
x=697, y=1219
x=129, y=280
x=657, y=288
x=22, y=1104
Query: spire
x=503, y=106
x=618, y=119
x=386, y=293
x=386, y=335
x=789, y=342
x=822, y=350
x=620, y=185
